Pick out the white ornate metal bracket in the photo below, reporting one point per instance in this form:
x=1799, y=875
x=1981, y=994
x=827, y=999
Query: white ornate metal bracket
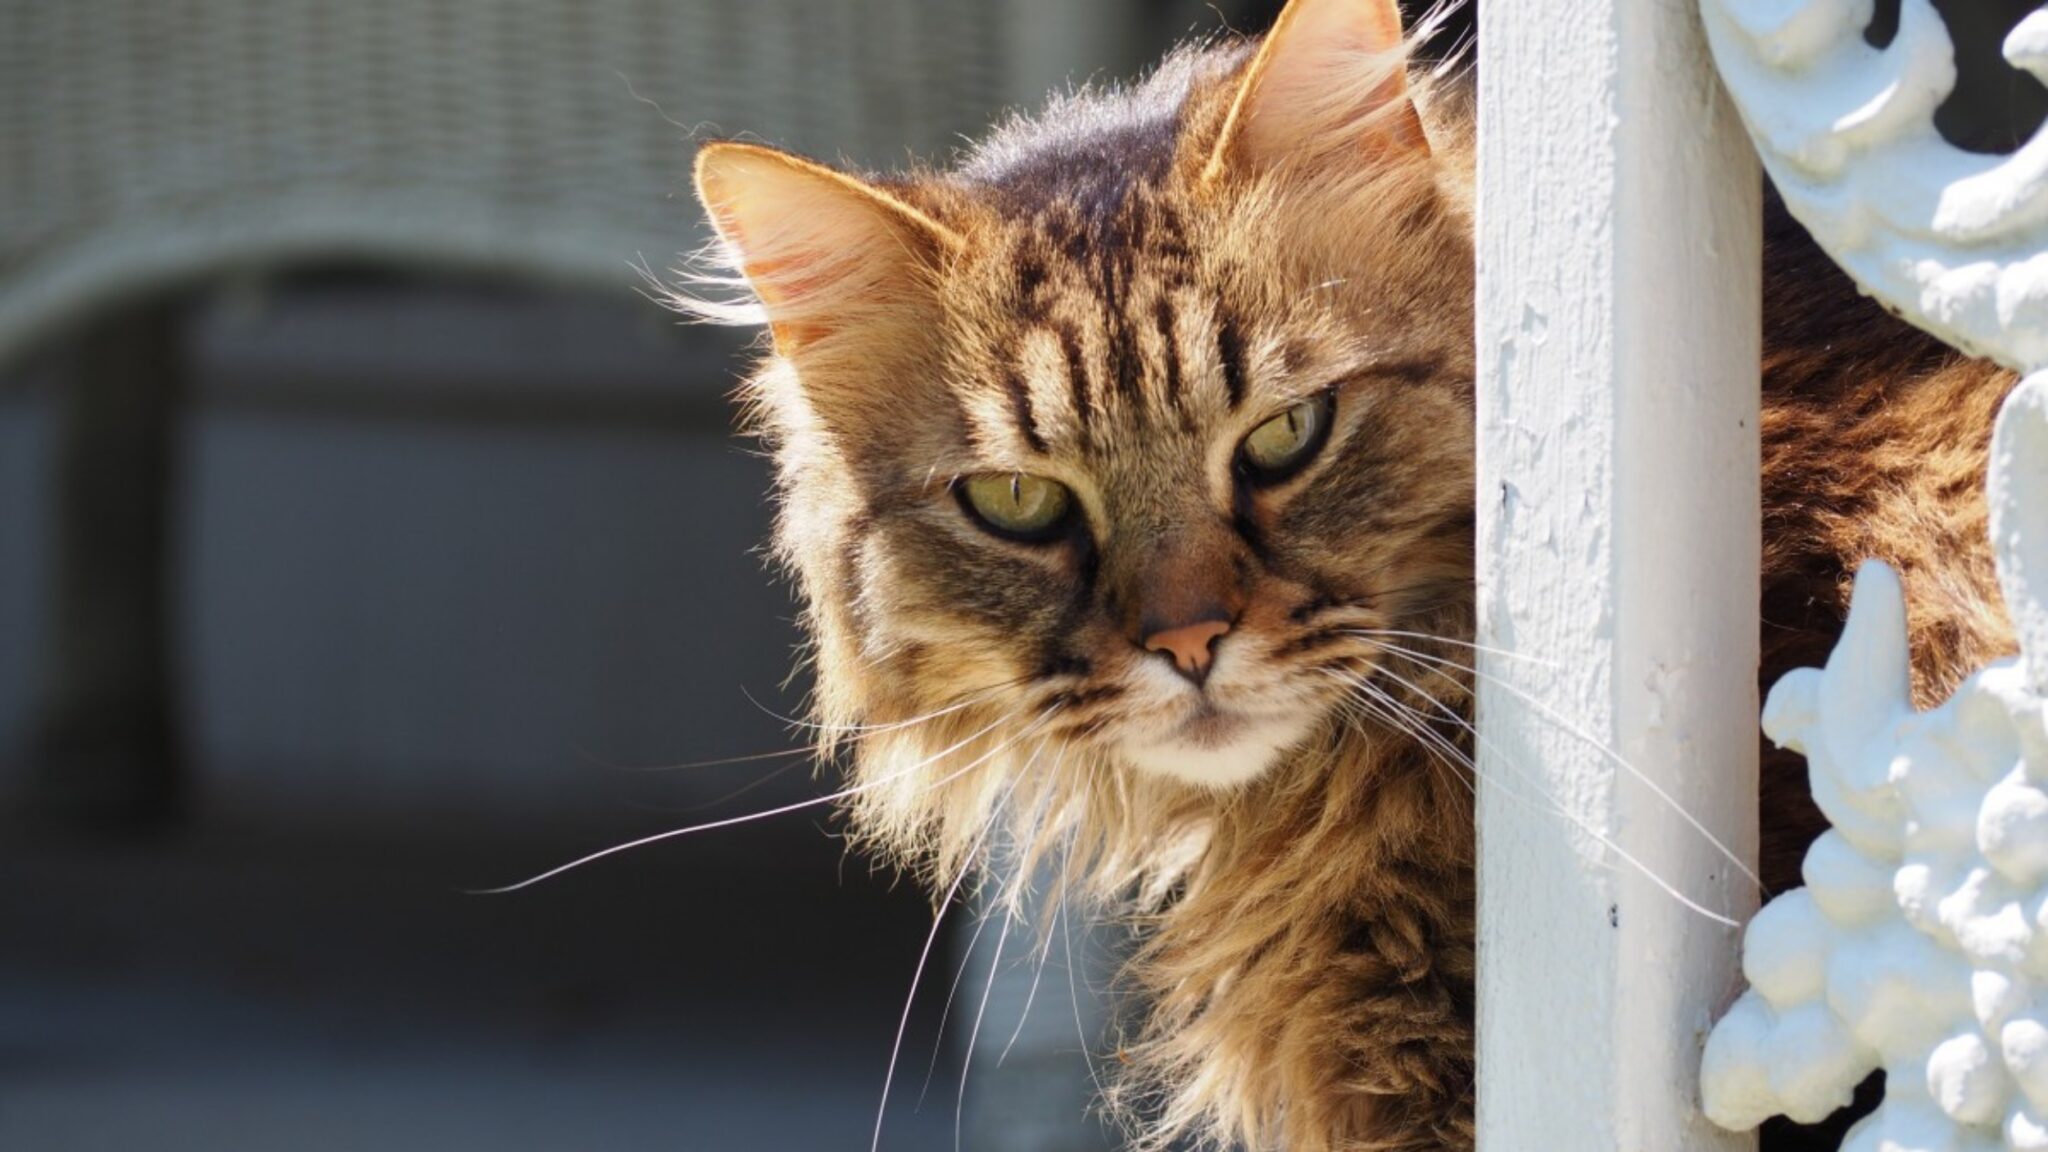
x=1955, y=241
x=1920, y=944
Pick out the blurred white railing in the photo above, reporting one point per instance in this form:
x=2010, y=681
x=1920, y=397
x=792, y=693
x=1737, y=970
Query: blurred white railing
x=144, y=142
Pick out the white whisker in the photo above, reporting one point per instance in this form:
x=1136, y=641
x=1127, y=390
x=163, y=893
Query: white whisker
x=743, y=789
x=1067, y=944
x=1441, y=749
x=995, y=965
x=910, y=1001
x=980, y=924
x=1556, y=808
x=1045, y=945
x=924, y=957
x=1031, y=996
x=976, y=697
x=1456, y=767
x=1589, y=739
x=719, y=762
x=814, y=802
x=946, y=1012
x=1501, y=652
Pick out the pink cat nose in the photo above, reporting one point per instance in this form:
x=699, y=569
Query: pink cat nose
x=1190, y=645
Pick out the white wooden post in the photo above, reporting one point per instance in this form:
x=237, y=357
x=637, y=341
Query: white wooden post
x=1618, y=545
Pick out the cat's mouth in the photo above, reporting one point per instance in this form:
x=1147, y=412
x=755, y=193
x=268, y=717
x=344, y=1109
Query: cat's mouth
x=1210, y=725
x=1214, y=746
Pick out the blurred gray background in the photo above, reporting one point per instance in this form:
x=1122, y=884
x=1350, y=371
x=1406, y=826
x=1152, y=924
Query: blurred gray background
x=366, y=536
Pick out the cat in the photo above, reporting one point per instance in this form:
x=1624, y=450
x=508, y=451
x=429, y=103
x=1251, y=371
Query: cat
x=1126, y=468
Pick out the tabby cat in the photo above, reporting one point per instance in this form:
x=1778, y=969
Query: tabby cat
x=1127, y=471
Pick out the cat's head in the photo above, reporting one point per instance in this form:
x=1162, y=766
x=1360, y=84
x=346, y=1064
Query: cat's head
x=1109, y=447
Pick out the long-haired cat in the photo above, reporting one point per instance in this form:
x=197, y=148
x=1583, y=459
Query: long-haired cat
x=1126, y=467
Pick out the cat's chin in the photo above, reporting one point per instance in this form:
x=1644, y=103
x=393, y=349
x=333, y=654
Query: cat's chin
x=1216, y=751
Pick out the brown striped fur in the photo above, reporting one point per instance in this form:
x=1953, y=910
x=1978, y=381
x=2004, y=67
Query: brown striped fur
x=1113, y=295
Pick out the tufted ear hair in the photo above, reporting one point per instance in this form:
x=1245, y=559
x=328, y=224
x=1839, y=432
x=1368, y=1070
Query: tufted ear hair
x=1329, y=83
x=822, y=250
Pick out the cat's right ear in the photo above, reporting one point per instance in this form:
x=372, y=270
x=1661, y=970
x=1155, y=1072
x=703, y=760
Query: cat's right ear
x=1329, y=84
x=823, y=251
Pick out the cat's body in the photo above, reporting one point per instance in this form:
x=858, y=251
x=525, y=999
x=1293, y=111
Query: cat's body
x=1127, y=470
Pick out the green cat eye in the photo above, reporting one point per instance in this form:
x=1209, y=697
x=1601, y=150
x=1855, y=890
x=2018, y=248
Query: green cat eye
x=1021, y=507
x=1278, y=448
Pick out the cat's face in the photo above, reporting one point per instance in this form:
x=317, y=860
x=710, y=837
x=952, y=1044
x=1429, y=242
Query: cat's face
x=1139, y=436
x=1162, y=485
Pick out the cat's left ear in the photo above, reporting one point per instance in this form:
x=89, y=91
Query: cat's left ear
x=1329, y=82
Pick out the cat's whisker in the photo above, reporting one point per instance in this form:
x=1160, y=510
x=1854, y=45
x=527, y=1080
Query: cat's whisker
x=978, y=696
x=736, y=793
x=1588, y=738
x=1422, y=727
x=1407, y=720
x=1370, y=633
x=809, y=750
x=1031, y=994
x=1389, y=711
x=1554, y=808
x=1370, y=712
x=719, y=762
x=952, y=993
x=1074, y=990
x=916, y=977
x=813, y=802
x=1404, y=719
x=743, y=789
x=995, y=966
x=981, y=922
x=1026, y=866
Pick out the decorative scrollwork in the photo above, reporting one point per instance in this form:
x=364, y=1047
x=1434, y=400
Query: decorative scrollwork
x=1920, y=943
x=1955, y=241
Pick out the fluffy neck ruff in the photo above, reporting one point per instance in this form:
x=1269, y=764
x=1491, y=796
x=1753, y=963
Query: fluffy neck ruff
x=1311, y=988
x=1307, y=956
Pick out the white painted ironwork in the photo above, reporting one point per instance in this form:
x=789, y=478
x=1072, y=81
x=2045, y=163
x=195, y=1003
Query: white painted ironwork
x=1618, y=559
x=1921, y=942
x=1956, y=241
x=1918, y=944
